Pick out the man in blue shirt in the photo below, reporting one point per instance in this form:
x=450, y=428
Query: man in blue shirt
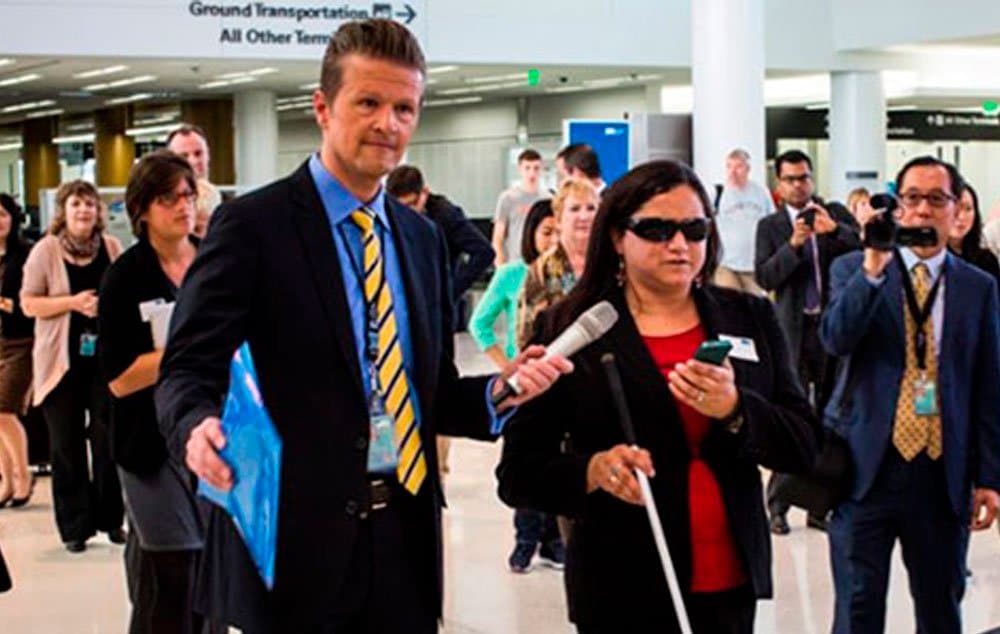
x=344, y=296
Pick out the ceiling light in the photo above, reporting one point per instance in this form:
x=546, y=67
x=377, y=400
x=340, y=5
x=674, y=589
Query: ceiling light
x=285, y=100
x=295, y=105
x=19, y=79
x=214, y=84
x=150, y=130
x=608, y=81
x=130, y=99
x=311, y=86
x=559, y=89
x=74, y=138
x=120, y=82
x=818, y=106
x=486, y=88
x=28, y=105
x=38, y=114
x=162, y=118
x=76, y=127
x=6, y=147
x=902, y=107
x=242, y=80
x=441, y=69
x=262, y=71
x=494, y=78
x=6, y=61
x=98, y=72
x=451, y=102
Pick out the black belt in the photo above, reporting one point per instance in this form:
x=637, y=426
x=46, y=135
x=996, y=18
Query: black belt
x=378, y=496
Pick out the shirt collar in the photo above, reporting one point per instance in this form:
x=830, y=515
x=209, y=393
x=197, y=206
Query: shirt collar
x=934, y=263
x=339, y=202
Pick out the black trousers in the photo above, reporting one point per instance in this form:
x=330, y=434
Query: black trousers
x=816, y=379
x=382, y=593
x=83, y=504
x=534, y=527
x=160, y=585
x=727, y=612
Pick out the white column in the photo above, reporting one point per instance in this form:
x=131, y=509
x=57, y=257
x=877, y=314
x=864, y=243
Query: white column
x=256, y=137
x=727, y=73
x=857, y=132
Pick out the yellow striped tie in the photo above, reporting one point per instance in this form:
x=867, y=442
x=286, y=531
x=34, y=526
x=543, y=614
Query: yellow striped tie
x=392, y=385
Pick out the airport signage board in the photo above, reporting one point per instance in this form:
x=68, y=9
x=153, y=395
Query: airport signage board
x=234, y=29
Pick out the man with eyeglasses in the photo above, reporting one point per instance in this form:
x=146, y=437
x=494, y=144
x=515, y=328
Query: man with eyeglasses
x=794, y=249
x=916, y=399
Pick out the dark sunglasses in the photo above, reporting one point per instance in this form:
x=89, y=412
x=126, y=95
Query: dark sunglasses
x=660, y=230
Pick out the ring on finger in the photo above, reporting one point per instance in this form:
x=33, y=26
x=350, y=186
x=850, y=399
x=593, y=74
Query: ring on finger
x=613, y=479
x=700, y=397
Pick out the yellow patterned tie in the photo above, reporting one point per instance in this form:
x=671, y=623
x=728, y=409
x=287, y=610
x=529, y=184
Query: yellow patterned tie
x=912, y=433
x=392, y=385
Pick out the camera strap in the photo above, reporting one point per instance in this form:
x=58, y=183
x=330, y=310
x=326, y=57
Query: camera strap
x=920, y=314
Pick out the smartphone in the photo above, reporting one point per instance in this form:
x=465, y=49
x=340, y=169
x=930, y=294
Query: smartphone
x=808, y=216
x=714, y=352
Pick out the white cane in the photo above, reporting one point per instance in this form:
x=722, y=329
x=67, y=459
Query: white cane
x=615, y=381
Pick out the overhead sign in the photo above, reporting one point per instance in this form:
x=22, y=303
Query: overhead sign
x=299, y=29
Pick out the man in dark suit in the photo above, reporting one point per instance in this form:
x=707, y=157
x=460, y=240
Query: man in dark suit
x=344, y=297
x=795, y=247
x=916, y=398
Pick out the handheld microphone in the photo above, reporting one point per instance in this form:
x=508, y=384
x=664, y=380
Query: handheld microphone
x=588, y=327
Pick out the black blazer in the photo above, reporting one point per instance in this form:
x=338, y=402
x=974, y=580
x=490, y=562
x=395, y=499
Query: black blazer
x=268, y=273
x=783, y=269
x=613, y=574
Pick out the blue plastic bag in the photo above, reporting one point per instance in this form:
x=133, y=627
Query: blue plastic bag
x=253, y=452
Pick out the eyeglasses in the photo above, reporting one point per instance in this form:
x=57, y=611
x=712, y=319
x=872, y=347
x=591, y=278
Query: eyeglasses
x=791, y=180
x=661, y=230
x=170, y=198
x=936, y=199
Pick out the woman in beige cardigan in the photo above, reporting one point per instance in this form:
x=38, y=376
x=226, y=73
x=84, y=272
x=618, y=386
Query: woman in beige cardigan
x=61, y=278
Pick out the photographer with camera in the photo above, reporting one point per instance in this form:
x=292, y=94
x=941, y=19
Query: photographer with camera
x=795, y=247
x=915, y=399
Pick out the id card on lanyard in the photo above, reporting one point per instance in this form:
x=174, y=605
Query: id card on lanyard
x=383, y=455
x=925, y=401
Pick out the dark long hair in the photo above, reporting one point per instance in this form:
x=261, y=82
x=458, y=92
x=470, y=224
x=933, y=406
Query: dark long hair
x=972, y=243
x=620, y=201
x=539, y=211
x=15, y=242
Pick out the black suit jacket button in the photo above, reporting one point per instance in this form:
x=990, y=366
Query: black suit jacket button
x=361, y=443
x=351, y=508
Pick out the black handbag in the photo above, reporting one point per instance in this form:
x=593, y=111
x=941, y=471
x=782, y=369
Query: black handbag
x=832, y=476
x=828, y=483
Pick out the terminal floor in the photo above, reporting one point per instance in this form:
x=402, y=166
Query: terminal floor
x=62, y=593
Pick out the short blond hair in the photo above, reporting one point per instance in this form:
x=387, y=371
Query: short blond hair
x=572, y=187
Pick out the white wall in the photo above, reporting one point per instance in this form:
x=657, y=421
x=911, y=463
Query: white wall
x=866, y=24
x=9, y=172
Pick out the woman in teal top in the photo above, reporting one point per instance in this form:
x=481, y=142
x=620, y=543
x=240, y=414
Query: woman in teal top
x=505, y=288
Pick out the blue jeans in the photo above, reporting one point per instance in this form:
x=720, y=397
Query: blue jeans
x=534, y=527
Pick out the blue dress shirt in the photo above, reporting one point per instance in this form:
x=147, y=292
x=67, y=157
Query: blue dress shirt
x=339, y=205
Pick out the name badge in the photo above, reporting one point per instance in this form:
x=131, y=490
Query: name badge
x=744, y=348
x=382, y=454
x=88, y=344
x=925, y=397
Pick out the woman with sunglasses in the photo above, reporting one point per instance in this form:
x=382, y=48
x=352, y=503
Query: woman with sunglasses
x=702, y=429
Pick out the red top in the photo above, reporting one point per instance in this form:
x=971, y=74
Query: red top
x=716, y=563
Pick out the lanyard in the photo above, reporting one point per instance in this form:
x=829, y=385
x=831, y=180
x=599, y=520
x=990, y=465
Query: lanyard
x=371, y=316
x=919, y=313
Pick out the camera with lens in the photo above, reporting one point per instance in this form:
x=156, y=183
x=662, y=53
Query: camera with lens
x=882, y=233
